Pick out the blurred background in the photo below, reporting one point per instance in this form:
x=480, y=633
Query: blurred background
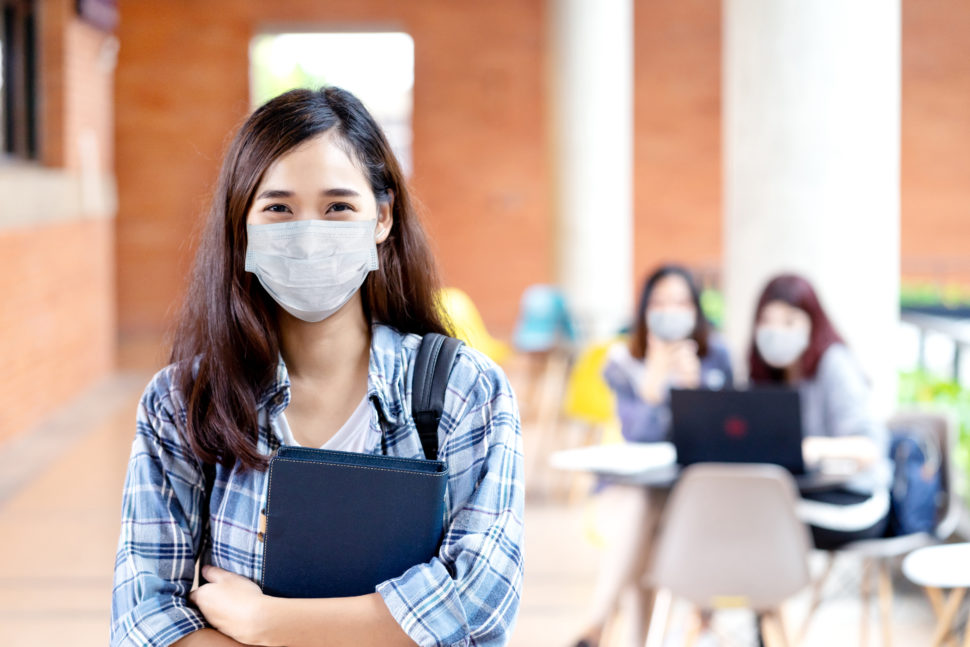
x=567, y=143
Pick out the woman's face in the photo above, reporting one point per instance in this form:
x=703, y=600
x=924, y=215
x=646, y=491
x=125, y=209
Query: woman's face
x=778, y=314
x=671, y=293
x=782, y=334
x=318, y=180
x=671, y=315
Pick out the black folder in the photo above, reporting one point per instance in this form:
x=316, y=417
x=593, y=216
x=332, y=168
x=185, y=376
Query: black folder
x=340, y=523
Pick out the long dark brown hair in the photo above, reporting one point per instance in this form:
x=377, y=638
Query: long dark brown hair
x=702, y=329
x=796, y=291
x=227, y=344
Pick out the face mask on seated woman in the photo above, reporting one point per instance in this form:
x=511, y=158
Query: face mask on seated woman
x=781, y=346
x=671, y=324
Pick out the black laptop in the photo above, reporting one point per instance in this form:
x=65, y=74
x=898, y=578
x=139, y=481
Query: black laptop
x=755, y=426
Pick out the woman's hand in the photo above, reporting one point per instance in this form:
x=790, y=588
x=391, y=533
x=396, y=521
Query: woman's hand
x=238, y=609
x=844, y=454
x=653, y=385
x=232, y=604
x=669, y=363
x=685, y=367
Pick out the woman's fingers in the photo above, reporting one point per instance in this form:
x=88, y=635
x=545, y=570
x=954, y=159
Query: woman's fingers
x=214, y=573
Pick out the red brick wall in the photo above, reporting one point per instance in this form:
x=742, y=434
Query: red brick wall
x=479, y=142
x=678, y=174
x=57, y=317
x=677, y=102
x=936, y=140
x=57, y=323
x=480, y=135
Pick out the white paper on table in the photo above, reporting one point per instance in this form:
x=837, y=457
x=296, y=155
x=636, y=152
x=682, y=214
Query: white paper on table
x=620, y=458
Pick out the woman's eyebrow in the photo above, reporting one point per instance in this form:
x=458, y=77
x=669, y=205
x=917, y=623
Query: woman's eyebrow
x=274, y=193
x=330, y=193
x=340, y=193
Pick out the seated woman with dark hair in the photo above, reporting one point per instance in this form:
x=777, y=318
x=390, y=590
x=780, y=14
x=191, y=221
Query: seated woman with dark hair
x=672, y=346
x=795, y=344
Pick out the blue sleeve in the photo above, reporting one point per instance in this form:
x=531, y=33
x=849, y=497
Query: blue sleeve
x=721, y=360
x=160, y=529
x=640, y=421
x=468, y=596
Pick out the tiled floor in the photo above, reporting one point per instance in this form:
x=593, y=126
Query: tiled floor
x=60, y=525
x=59, y=510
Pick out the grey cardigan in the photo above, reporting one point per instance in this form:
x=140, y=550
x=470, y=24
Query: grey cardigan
x=836, y=402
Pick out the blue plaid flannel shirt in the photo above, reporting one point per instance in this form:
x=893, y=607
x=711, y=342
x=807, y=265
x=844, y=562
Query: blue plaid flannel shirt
x=467, y=595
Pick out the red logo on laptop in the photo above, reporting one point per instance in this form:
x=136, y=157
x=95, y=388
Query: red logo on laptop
x=736, y=427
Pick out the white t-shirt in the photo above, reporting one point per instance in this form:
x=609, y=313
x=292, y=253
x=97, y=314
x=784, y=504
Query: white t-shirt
x=351, y=437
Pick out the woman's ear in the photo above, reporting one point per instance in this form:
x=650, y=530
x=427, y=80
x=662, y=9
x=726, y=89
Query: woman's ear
x=385, y=217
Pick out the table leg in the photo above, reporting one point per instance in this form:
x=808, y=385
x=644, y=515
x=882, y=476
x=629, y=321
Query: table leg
x=966, y=635
x=885, y=602
x=864, y=601
x=946, y=619
x=936, y=601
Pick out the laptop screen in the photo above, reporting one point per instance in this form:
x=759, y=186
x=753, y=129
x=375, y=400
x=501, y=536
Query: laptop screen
x=761, y=425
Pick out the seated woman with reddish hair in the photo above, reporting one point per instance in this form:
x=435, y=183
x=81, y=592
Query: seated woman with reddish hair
x=795, y=344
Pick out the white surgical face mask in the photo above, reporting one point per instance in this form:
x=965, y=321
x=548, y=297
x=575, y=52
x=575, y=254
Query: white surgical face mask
x=671, y=324
x=781, y=346
x=312, y=267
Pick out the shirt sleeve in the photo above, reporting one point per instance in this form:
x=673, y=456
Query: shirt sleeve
x=640, y=421
x=847, y=398
x=722, y=362
x=469, y=594
x=155, y=563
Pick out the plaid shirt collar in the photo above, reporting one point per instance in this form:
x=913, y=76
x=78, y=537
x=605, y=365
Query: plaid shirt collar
x=385, y=378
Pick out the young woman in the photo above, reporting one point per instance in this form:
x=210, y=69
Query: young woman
x=672, y=346
x=795, y=344
x=312, y=286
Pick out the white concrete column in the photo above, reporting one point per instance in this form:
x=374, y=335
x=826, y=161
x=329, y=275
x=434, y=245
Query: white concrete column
x=811, y=110
x=591, y=69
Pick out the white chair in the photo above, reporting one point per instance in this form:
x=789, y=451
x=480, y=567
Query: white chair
x=877, y=555
x=730, y=538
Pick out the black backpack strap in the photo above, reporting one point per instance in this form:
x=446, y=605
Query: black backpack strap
x=436, y=355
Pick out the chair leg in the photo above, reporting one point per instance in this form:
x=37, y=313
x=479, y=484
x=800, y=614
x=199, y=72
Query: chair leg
x=817, y=587
x=885, y=602
x=864, y=601
x=694, y=629
x=659, y=620
x=773, y=629
x=610, y=631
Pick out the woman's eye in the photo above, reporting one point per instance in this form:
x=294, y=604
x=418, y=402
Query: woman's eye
x=277, y=208
x=341, y=206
